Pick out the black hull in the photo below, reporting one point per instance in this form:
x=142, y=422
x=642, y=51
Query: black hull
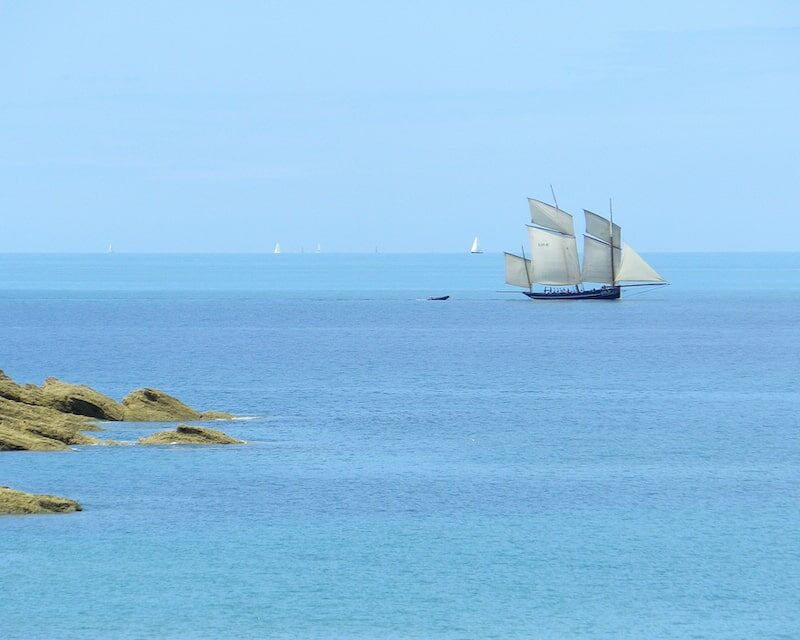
x=439, y=298
x=604, y=293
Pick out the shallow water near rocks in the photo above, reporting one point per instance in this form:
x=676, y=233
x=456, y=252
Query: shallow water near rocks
x=485, y=467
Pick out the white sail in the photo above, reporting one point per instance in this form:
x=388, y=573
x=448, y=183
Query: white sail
x=475, y=248
x=601, y=228
x=554, y=256
x=518, y=271
x=549, y=217
x=633, y=268
x=277, y=248
x=597, y=261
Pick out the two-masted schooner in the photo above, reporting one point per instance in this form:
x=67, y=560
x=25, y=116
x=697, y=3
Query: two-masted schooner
x=607, y=261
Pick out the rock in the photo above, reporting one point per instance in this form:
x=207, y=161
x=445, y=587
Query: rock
x=185, y=434
x=53, y=416
x=16, y=439
x=215, y=415
x=29, y=394
x=79, y=400
x=63, y=398
x=34, y=428
x=153, y=405
x=14, y=502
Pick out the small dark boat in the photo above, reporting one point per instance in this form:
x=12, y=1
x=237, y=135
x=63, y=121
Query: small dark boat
x=438, y=297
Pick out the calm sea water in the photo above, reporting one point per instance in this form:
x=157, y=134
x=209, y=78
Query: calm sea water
x=486, y=467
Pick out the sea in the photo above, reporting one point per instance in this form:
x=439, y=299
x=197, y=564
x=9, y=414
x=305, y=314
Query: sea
x=482, y=467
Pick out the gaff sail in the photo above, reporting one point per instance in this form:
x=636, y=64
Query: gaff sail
x=518, y=271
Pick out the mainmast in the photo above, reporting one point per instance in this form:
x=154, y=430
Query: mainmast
x=611, y=234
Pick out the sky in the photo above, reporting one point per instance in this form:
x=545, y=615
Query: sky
x=411, y=127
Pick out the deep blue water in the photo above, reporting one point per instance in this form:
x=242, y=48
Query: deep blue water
x=486, y=467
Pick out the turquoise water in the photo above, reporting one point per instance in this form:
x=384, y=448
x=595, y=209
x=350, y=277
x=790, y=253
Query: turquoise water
x=487, y=467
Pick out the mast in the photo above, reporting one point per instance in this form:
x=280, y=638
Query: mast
x=527, y=273
x=554, y=195
x=611, y=234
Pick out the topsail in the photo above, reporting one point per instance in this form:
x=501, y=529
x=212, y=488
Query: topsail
x=550, y=217
x=603, y=229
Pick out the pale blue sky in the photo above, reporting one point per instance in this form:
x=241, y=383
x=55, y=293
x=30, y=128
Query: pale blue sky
x=413, y=126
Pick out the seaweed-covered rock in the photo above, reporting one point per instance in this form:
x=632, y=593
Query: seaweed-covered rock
x=79, y=400
x=14, y=502
x=153, y=405
x=185, y=434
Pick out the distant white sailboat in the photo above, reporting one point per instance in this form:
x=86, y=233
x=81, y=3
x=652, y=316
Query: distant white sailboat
x=319, y=248
x=475, y=247
x=110, y=249
x=277, y=248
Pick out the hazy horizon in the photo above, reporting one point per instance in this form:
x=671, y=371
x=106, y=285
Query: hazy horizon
x=310, y=252
x=191, y=127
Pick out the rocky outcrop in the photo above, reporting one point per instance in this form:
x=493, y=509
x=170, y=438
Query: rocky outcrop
x=34, y=428
x=80, y=400
x=153, y=405
x=29, y=394
x=14, y=502
x=62, y=398
x=185, y=434
x=53, y=416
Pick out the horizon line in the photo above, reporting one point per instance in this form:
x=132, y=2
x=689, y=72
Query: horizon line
x=268, y=252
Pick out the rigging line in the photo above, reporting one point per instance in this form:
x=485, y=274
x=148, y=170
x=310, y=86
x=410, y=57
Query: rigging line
x=642, y=292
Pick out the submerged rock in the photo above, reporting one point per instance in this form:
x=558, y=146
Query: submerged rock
x=185, y=434
x=153, y=405
x=13, y=502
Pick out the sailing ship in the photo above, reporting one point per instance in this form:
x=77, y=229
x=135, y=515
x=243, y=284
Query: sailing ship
x=277, y=248
x=607, y=261
x=475, y=248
